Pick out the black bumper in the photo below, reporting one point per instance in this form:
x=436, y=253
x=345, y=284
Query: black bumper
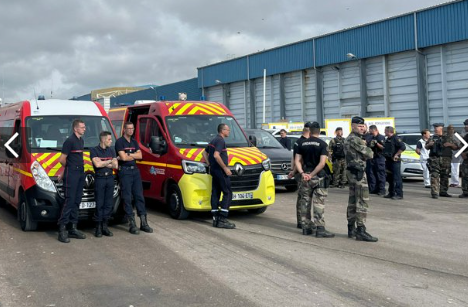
x=40, y=200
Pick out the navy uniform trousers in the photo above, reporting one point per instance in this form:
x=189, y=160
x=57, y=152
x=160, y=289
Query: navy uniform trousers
x=104, y=195
x=376, y=175
x=73, y=183
x=221, y=183
x=395, y=183
x=132, y=190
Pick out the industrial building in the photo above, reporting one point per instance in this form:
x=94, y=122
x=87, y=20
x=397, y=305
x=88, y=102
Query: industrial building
x=413, y=67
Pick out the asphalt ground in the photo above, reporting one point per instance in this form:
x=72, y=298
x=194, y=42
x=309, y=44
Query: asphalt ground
x=420, y=259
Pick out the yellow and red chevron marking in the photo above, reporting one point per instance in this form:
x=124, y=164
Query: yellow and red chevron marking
x=189, y=108
x=244, y=156
x=50, y=162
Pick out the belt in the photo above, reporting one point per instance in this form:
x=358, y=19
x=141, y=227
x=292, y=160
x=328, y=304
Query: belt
x=105, y=174
x=75, y=167
x=127, y=167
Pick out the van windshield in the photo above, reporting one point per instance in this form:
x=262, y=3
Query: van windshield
x=199, y=130
x=47, y=133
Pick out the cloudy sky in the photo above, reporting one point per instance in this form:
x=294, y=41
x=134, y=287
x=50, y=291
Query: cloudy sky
x=72, y=47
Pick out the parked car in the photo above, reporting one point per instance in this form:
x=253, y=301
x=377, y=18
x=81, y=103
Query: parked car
x=280, y=158
x=410, y=165
x=410, y=138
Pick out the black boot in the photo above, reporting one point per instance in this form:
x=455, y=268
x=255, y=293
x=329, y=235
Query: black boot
x=363, y=235
x=351, y=231
x=323, y=233
x=75, y=233
x=224, y=223
x=132, y=228
x=63, y=234
x=98, y=230
x=215, y=219
x=105, y=229
x=307, y=231
x=144, y=224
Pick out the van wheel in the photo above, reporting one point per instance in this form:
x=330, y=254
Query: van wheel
x=258, y=210
x=176, y=204
x=291, y=188
x=24, y=216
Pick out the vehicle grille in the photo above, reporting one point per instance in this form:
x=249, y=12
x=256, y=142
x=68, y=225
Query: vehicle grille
x=249, y=179
x=88, y=191
x=276, y=167
x=246, y=202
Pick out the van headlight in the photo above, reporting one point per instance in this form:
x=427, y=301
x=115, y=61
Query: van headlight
x=266, y=164
x=191, y=167
x=42, y=179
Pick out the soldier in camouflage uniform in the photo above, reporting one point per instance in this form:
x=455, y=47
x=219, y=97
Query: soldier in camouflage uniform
x=464, y=165
x=336, y=149
x=356, y=155
x=440, y=160
x=310, y=162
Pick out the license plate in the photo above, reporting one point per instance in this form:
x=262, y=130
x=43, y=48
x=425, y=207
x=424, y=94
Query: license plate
x=237, y=196
x=281, y=177
x=88, y=205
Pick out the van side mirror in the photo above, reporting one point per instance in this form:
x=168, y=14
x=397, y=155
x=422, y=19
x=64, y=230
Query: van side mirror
x=16, y=148
x=158, y=145
x=253, y=140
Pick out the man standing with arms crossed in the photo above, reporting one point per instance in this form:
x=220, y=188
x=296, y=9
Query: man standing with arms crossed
x=130, y=180
x=216, y=157
x=104, y=161
x=73, y=182
x=356, y=155
x=310, y=161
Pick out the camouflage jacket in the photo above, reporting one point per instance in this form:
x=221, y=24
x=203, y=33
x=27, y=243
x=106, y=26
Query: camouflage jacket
x=441, y=151
x=356, y=150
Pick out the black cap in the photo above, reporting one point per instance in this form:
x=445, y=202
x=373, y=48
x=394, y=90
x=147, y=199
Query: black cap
x=438, y=125
x=357, y=120
x=465, y=122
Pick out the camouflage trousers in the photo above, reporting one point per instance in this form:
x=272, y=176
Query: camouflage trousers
x=358, y=200
x=311, y=195
x=298, y=178
x=464, y=175
x=339, y=172
x=440, y=168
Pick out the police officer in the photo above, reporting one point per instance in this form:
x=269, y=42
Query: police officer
x=130, y=180
x=464, y=165
x=310, y=162
x=73, y=182
x=375, y=167
x=393, y=147
x=104, y=161
x=440, y=159
x=356, y=155
x=216, y=157
x=336, y=148
x=294, y=173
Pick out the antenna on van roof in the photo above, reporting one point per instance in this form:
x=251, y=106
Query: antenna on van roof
x=35, y=97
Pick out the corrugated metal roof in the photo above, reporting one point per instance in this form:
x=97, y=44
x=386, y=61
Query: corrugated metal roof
x=230, y=71
x=442, y=25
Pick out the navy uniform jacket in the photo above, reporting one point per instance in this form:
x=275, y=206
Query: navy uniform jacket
x=105, y=155
x=217, y=144
x=392, y=145
x=73, y=147
x=128, y=147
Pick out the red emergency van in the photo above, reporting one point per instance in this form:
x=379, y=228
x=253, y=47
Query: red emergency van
x=29, y=174
x=172, y=136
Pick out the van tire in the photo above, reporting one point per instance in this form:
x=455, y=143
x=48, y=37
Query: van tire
x=176, y=203
x=258, y=210
x=291, y=188
x=24, y=215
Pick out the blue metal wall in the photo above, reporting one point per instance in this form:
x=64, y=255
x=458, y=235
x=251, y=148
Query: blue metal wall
x=225, y=72
x=389, y=36
x=84, y=97
x=444, y=24
x=439, y=25
x=169, y=91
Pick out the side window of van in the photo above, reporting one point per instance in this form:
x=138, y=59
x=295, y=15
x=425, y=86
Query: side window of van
x=143, y=123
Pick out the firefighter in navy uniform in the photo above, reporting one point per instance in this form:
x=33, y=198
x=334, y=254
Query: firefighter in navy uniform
x=393, y=147
x=130, y=180
x=375, y=168
x=216, y=157
x=104, y=161
x=73, y=182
